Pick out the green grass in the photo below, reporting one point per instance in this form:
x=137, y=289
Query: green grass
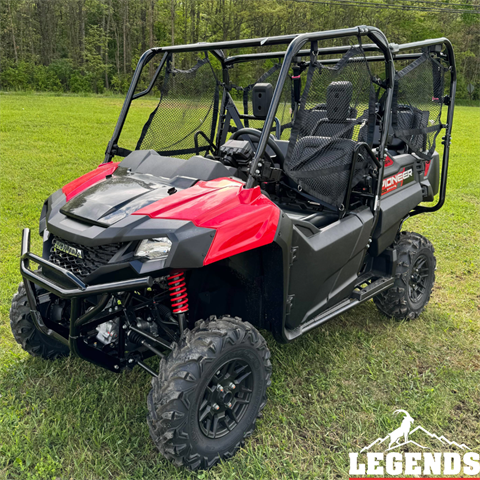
x=334, y=390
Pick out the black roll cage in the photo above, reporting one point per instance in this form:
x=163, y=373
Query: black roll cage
x=389, y=53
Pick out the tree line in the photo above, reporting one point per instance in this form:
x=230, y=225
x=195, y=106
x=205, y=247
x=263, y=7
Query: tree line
x=94, y=45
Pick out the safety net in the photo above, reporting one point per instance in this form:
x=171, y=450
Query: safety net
x=337, y=106
x=417, y=103
x=184, y=121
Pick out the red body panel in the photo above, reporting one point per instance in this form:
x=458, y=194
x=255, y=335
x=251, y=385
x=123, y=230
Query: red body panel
x=388, y=161
x=244, y=219
x=427, y=168
x=82, y=183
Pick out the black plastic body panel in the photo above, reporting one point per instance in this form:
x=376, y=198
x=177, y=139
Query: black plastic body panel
x=394, y=207
x=190, y=244
x=401, y=192
x=326, y=265
x=198, y=168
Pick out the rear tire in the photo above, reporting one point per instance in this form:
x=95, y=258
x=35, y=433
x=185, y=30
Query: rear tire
x=414, y=278
x=196, y=417
x=26, y=334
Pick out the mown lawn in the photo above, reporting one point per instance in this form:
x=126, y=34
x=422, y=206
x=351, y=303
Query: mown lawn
x=334, y=390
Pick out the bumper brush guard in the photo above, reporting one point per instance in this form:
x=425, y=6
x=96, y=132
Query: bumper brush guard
x=77, y=291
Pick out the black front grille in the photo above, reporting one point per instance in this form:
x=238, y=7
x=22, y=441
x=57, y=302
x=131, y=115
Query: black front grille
x=79, y=259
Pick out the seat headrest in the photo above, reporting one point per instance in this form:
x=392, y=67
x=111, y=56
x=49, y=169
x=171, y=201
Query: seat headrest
x=261, y=99
x=339, y=96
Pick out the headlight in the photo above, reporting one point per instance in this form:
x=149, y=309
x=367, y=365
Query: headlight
x=154, y=248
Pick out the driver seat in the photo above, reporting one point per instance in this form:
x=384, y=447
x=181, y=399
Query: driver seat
x=320, y=161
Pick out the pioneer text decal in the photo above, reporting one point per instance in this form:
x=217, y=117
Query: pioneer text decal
x=401, y=178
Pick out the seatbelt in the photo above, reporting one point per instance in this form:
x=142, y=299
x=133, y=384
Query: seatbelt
x=372, y=117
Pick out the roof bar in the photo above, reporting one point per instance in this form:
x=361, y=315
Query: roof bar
x=321, y=51
x=332, y=50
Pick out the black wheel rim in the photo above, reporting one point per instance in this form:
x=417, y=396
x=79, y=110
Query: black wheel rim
x=418, y=281
x=226, y=398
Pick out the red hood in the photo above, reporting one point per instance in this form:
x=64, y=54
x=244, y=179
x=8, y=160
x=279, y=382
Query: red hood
x=243, y=218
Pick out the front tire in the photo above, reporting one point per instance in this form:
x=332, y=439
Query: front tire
x=26, y=334
x=414, y=278
x=209, y=392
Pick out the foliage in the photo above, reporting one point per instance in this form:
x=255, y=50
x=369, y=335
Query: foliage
x=93, y=45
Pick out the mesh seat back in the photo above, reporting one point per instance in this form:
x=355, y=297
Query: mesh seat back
x=411, y=118
x=328, y=162
x=326, y=127
x=312, y=118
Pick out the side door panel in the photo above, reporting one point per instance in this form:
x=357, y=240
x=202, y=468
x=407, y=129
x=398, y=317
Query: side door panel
x=326, y=265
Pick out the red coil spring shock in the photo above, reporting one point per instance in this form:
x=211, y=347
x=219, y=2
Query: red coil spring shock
x=178, y=292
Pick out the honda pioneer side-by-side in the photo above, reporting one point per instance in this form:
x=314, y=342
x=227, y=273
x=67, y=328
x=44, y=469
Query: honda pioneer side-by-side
x=267, y=190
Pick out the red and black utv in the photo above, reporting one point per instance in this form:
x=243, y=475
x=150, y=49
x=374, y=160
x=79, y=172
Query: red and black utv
x=267, y=190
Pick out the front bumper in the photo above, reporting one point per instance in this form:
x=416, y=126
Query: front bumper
x=65, y=284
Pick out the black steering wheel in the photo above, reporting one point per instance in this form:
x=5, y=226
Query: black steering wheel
x=270, y=142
